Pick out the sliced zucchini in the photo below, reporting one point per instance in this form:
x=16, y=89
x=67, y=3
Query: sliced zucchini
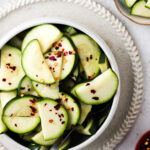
x=69, y=30
x=54, y=119
x=47, y=91
x=16, y=42
x=69, y=57
x=86, y=130
x=21, y=124
x=34, y=64
x=21, y=107
x=3, y=128
x=139, y=9
x=130, y=3
x=11, y=69
x=101, y=121
x=103, y=63
x=98, y=91
x=65, y=146
x=85, y=109
x=39, y=139
x=148, y=4
x=75, y=73
x=89, y=54
x=47, y=34
x=26, y=87
x=5, y=97
x=72, y=108
x=54, y=61
x=27, y=136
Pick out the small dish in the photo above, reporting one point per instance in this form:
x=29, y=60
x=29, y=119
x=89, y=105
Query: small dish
x=125, y=11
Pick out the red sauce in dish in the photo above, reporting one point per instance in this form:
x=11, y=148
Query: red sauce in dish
x=144, y=142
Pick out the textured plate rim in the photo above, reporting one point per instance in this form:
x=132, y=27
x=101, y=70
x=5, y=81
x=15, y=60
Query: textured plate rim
x=132, y=51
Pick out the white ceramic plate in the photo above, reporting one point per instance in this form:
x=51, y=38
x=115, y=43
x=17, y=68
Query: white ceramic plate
x=124, y=10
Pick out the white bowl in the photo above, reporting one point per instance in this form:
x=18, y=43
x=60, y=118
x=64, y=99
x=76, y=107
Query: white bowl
x=124, y=10
x=104, y=47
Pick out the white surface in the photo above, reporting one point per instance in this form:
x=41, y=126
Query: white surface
x=141, y=36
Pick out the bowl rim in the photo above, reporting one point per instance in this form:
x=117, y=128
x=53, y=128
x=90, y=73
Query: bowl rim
x=25, y=25
x=115, y=1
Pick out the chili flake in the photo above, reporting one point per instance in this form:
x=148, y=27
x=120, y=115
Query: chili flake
x=51, y=121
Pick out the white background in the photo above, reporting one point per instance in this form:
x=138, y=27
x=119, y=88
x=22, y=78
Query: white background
x=141, y=36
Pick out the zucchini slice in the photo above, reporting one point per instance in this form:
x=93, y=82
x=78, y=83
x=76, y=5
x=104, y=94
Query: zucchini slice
x=69, y=30
x=21, y=107
x=148, y=4
x=54, y=119
x=87, y=129
x=75, y=73
x=139, y=9
x=89, y=54
x=47, y=34
x=69, y=55
x=26, y=87
x=130, y=3
x=16, y=42
x=65, y=146
x=85, y=109
x=103, y=63
x=72, y=108
x=5, y=97
x=34, y=64
x=21, y=124
x=98, y=91
x=39, y=139
x=54, y=61
x=3, y=128
x=11, y=69
x=47, y=91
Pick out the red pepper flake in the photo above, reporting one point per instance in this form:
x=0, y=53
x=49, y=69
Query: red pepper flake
x=60, y=119
x=49, y=54
x=46, y=57
x=48, y=85
x=45, y=104
x=52, y=58
x=59, y=55
x=50, y=110
x=15, y=125
x=8, y=64
x=32, y=114
x=33, y=101
x=13, y=68
x=77, y=49
x=62, y=115
x=62, y=49
x=11, y=115
x=56, y=47
x=66, y=53
x=22, y=88
x=9, y=83
x=87, y=84
x=91, y=56
x=95, y=98
x=72, y=126
x=63, y=122
x=9, y=54
x=87, y=58
x=57, y=107
x=36, y=85
x=29, y=89
x=51, y=121
x=58, y=100
x=55, y=113
x=96, y=59
x=93, y=91
x=70, y=52
x=43, y=62
x=36, y=75
x=72, y=108
x=4, y=79
x=60, y=45
x=34, y=110
x=63, y=69
x=66, y=99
